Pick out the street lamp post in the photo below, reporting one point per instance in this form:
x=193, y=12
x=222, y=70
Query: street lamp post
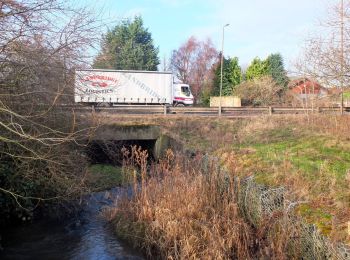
x=222, y=61
x=342, y=56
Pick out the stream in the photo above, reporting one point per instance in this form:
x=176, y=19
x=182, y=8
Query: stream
x=89, y=236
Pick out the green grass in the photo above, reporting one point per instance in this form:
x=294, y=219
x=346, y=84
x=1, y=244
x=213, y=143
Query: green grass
x=104, y=176
x=317, y=216
x=308, y=155
x=347, y=94
x=272, y=136
x=320, y=163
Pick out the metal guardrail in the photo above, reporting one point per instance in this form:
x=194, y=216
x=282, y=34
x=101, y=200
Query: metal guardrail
x=206, y=111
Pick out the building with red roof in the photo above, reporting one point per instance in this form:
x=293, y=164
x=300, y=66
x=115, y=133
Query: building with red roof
x=305, y=88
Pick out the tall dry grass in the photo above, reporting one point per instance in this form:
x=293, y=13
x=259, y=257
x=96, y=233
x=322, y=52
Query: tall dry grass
x=180, y=211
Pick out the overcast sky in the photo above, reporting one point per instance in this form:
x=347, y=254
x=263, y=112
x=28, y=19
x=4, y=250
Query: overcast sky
x=257, y=27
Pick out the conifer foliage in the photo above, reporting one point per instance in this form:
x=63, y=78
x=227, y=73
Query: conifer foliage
x=128, y=46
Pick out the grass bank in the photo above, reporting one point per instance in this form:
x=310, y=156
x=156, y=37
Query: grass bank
x=309, y=155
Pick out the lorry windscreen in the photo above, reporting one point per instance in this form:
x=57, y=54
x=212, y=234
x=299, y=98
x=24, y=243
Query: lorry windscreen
x=186, y=91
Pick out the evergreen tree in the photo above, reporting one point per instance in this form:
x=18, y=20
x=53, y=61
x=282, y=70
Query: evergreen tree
x=235, y=72
x=276, y=69
x=272, y=66
x=129, y=46
x=257, y=69
x=231, y=76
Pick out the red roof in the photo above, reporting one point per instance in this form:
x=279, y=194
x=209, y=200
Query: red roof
x=306, y=86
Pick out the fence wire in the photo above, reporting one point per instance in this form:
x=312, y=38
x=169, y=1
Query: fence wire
x=258, y=203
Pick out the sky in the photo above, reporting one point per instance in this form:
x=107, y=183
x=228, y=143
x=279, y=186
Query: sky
x=257, y=27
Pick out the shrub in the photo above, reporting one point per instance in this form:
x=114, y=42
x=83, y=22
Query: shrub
x=260, y=92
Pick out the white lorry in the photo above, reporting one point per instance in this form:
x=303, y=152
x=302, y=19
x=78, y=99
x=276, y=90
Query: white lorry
x=111, y=87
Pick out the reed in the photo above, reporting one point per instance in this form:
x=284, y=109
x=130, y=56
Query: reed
x=180, y=211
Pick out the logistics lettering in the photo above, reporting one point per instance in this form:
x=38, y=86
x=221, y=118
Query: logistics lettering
x=93, y=91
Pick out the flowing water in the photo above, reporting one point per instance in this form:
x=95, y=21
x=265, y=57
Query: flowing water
x=89, y=236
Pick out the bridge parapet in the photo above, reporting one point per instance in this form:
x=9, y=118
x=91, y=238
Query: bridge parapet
x=126, y=132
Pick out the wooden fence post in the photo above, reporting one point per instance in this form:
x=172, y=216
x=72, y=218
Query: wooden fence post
x=165, y=109
x=270, y=111
x=342, y=108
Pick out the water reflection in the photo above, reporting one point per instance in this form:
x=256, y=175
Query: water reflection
x=89, y=237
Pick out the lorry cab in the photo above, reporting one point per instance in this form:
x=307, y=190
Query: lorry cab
x=182, y=95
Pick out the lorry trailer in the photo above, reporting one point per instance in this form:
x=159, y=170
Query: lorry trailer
x=112, y=87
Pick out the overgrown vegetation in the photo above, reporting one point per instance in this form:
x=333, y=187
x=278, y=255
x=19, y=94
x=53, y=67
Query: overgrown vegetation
x=308, y=155
x=186, y=208
x=180, y=211
x=263, y=91
x=40, y=143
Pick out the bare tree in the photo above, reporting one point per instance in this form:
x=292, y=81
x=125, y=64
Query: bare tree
x=193, y=63
x=41, y=43
x=326, y=55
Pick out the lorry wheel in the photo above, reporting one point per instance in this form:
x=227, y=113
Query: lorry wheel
x=180, y=105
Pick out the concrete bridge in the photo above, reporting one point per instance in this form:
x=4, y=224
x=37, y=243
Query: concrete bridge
x=127, y=132
x=151, y=135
